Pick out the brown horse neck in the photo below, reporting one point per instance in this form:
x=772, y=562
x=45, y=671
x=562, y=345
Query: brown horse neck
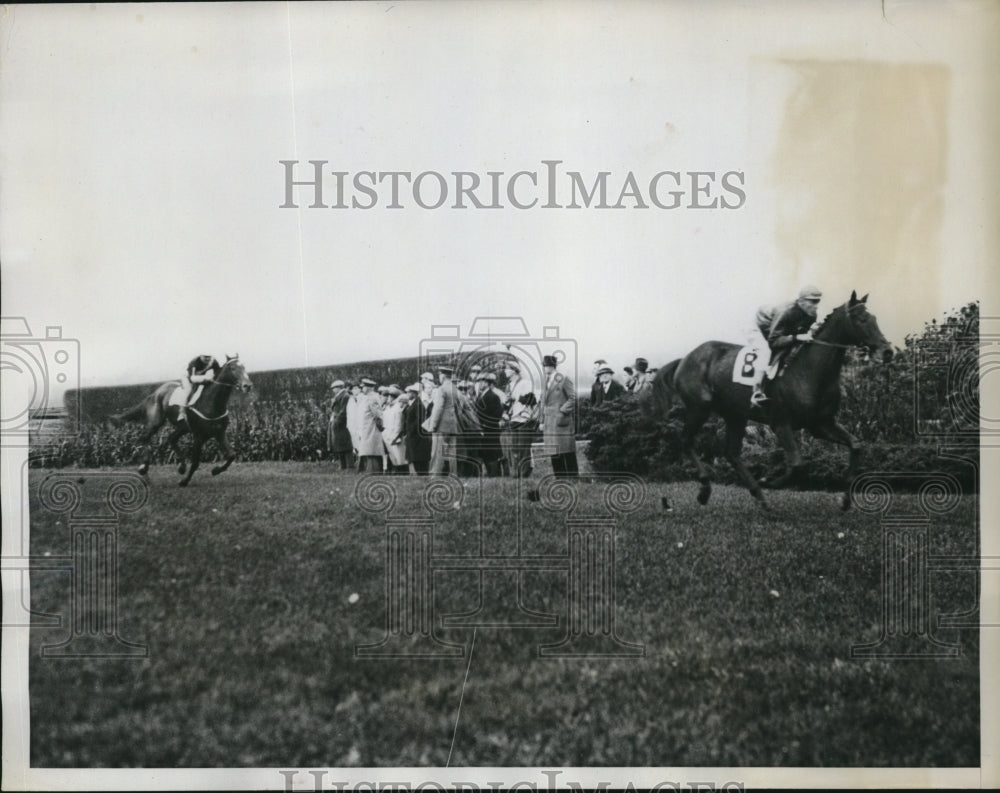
x=216, y=396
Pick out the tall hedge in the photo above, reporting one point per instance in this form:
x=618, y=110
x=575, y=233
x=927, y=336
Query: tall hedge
x=927, y=397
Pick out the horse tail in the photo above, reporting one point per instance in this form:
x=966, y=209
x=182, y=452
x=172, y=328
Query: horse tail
x=136, y=413
x=662, y=398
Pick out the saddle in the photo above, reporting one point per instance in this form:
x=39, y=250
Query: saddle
x=176, y=398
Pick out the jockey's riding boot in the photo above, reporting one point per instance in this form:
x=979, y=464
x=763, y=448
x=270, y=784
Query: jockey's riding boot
x=758, y=396
x=181, y=414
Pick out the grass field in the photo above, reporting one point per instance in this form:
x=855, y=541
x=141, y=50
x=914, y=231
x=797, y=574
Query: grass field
x=242, y=588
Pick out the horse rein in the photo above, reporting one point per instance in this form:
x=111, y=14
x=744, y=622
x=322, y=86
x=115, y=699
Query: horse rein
x=850, y=323
x=213, y=418
x=227, y=385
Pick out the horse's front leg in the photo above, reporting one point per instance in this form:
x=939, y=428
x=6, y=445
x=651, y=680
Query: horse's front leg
x=833, y=432
x=227, y=454
x=195, y=461
x=793, y=457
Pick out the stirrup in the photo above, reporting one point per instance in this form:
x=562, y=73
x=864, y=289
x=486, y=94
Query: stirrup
x=757, y=398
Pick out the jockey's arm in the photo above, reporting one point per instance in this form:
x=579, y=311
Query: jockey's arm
x=782, y=333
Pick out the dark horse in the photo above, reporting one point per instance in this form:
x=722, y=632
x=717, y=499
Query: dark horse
x=805, y=395
x=207, y=418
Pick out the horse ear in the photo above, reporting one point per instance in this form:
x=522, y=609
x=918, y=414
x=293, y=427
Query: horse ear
x=854, y=297
x=864, y=299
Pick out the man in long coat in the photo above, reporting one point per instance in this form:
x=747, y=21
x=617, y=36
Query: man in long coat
x=489, y=408
x=443, y=424
x=338, y=436
x=559, y=417
x=418, y=440
x=370, y=440
x=606, y=389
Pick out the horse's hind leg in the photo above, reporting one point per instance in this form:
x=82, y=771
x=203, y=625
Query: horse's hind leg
x=195, y=462
x=146, y=442
x=175, y=447
x=735, y=431
x=693, y=422
x=227, y=453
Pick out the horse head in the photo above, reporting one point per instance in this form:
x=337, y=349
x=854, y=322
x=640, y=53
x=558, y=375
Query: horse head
x=863, y=329
x=235, y=374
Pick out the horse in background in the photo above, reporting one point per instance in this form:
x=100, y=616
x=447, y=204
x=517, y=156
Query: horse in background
x=207, y=417
x=806, y=395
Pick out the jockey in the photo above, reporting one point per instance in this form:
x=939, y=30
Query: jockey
x=202, y=369
x=783, y=327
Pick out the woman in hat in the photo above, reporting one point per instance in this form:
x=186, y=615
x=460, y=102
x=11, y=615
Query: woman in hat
x=392, y=434
x=338, y=436
x=521, y=414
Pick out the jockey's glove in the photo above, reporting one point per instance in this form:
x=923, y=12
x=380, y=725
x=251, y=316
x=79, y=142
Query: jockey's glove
x=804, y=337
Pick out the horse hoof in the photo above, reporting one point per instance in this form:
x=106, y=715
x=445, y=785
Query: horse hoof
x=666, y=504
x=845, y=502
x=182, y=483
x=182, y=469
x=533, y=495
x=703, y=497
x=143, y=471
x=217, y=470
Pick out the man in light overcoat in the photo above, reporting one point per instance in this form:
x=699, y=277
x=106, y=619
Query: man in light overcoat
x=559, y=417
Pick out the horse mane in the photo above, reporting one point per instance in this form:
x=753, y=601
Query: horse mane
x=819, y=324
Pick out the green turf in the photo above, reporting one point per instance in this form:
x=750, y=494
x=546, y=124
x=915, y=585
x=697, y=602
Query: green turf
x=240, y=586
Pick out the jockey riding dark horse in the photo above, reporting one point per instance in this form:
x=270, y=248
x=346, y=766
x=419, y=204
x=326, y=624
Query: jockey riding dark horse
x=209, y=412
x=200, y=370
x=806, y=395
x=784, y=327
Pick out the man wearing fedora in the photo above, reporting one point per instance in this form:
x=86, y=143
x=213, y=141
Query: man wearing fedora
x=559, y=418
x=443, y=424
x=606, y=388
x=338, y=436
x=642, y=378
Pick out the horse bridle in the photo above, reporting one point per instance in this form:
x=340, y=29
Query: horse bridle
x=850, y=323
x=227, y=385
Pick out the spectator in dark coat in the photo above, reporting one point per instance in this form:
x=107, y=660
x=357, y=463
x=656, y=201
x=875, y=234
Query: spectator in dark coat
x=608, y=388
x=417, y=440
x=489, y=409
x=338, y=437
x=599, y=364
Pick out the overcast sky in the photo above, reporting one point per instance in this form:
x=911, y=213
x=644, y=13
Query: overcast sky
x=141, y=184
